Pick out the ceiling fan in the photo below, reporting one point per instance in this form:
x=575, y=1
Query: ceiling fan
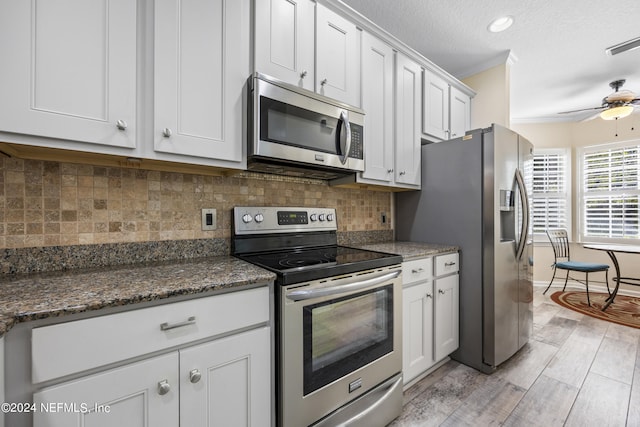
x=615, y=106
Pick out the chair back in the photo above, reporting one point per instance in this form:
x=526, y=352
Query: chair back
x=560, y=242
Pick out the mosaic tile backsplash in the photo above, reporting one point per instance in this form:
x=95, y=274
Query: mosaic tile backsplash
x=47, y=204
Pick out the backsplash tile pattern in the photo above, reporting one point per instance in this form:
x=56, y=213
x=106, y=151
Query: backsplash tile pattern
x=45, y=204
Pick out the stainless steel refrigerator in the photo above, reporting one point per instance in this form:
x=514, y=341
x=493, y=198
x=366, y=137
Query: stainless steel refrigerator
x=475, y=195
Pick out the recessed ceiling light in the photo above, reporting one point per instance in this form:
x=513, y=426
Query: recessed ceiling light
x=500, y=24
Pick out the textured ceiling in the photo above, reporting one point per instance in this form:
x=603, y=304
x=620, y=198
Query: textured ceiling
x=559, y=46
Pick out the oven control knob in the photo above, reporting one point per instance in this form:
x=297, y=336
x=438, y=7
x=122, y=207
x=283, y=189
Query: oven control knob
x=259, y=217
x=246, y=218
x=321, y=217
x=313, y=217
x=329, y=217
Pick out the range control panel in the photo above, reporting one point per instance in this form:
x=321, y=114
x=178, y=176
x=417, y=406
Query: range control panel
x=261, y=220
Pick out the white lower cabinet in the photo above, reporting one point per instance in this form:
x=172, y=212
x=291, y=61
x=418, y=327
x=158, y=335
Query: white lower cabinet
x=225, y=382
x=126, y=396
x=430, y=313
x=197, y=363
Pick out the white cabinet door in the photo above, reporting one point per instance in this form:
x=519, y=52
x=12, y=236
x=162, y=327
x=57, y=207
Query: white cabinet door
x=227, y=382
x=460, y=117
x=284, y=43
x=201, y=63
x=377, y=101
x=417, y=324
x=446, y=316
x=338, y=44
x=127, y=396
x=408, y=107
x=69, y=70
x=435, y=113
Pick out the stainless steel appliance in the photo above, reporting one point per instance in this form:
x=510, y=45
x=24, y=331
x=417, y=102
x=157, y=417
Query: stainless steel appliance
x=474, y=195
x=338, y=318
x=293, y=131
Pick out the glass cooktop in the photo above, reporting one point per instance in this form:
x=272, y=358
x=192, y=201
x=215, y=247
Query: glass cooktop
x=300, y=265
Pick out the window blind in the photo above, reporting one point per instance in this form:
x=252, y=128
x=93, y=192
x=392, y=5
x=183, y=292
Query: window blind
x=550, y=193
x=610, y=192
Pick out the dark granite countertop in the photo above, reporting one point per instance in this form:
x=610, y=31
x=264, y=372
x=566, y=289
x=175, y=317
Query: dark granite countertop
x=410, y=250
x=44, y=295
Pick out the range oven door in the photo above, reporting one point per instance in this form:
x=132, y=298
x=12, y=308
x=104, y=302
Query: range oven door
x=339, y=338
x=297, y=126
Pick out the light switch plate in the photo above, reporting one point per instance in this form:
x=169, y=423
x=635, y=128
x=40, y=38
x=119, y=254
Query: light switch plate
x=208, y=219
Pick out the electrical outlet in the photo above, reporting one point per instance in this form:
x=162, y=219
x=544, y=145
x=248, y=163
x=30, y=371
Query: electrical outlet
x=383, y=217
x=208, y=219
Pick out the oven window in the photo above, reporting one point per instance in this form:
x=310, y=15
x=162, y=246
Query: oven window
x=344, y=334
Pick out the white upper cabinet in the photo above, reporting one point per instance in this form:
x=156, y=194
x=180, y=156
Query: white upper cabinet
x=446, y=110
x=201, y=64
x=460, y=117
x=408, y=112
x=284, y=40
x=377, y=101
x=435, y=108
x=310, y=46
x=69, y=70
x=337, y=57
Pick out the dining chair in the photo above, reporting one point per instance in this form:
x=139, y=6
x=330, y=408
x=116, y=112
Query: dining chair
x=560, y=243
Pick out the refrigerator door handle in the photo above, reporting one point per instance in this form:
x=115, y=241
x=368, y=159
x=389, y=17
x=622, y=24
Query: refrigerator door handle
x=524, y=200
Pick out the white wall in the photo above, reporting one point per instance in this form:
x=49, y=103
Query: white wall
x=574, y=136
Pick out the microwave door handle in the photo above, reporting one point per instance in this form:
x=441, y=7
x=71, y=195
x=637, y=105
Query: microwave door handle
x=344, y=120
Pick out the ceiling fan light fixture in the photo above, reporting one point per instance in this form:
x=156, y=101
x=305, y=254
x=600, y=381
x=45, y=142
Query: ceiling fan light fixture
x=500, y=24
x=617, y=112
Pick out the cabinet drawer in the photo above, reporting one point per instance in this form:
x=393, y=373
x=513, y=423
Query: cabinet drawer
x=67, y=348
x=417, y=270
x=446, y=264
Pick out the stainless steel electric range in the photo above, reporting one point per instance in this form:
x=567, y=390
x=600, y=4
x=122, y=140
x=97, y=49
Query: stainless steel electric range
x=338, y=318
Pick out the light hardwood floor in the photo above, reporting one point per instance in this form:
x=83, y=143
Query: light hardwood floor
x=575, y=371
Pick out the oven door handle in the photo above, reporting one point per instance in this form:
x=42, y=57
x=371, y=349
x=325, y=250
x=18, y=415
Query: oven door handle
x=305, y=294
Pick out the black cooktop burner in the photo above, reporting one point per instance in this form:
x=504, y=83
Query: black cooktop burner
x=300, y=265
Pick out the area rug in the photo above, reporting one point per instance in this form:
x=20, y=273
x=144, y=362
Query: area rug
x=625, y=310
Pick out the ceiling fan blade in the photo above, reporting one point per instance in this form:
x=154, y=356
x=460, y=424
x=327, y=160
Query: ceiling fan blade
x=582, y=109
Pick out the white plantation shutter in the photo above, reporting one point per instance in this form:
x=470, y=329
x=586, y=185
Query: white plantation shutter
x=551, y=195
x=610, y=192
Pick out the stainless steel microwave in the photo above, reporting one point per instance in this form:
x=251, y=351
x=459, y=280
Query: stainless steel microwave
x=293, y=131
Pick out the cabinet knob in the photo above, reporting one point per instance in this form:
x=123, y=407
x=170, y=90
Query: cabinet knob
x=323, y=82
x=389, y=170
x=440, y=291
x=195, y=376
x=121, y=124
x=163, y=387
x=166, y=132
x=303, y=74
x=429, y=296
x=453, y=135
x=403, y=173
x=419, y=270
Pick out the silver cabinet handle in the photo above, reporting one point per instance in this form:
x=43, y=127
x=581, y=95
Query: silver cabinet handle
x=195, y=376
x=163, y=387
x=303, y=74
x=323, y=82
x=121, y=124
x=166, y=326
x=440, y=291
x=429, y=296
x=166, y=132
x=453, y=135
x=449, y=264
x=389, y=170
x=420, y=270
x=403, y=173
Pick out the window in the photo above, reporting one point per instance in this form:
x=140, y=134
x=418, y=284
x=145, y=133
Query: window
x=610, y=190
x=551, y=194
